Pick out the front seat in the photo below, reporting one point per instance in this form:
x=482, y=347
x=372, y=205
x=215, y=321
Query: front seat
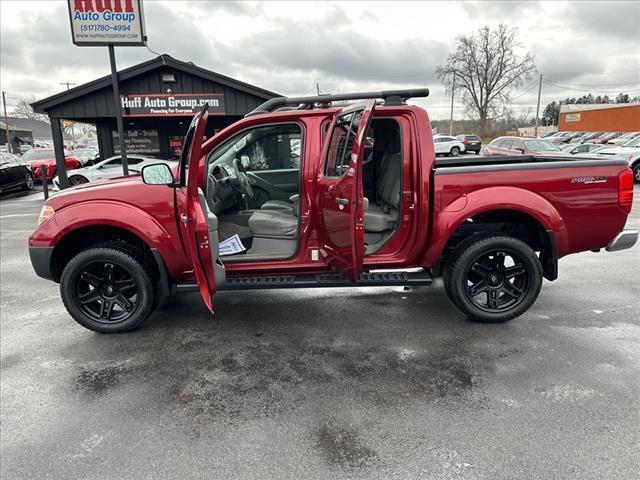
x=273, y=223
x=290, y=206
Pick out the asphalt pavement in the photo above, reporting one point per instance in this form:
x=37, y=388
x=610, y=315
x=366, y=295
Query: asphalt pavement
x=371, y=383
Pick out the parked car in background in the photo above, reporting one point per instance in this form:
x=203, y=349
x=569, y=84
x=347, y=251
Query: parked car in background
x=109, y=168
x=588, y=138
x=471, y=142
x=547, y=135
x=570, y=137
x=581, y=148
x=624, y=138
x=447, y=145
x=14, y=173
x=87, y=156
x=630, y=152
x=506, y=146
x=558, y=137
x=604, y=138
x=25, y=147
x=45, y=158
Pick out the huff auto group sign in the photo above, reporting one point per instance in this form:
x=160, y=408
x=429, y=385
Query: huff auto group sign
x=170, y=105
x=107, y=22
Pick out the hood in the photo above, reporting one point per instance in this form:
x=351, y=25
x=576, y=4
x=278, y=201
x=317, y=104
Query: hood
x=102, y=190
x=37, y=163
x=618, y=150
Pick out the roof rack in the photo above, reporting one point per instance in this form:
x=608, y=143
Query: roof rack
x=390, y=97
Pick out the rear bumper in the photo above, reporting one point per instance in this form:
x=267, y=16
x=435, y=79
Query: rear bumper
x=472, y=148
x=41, y=261
x=625, y=239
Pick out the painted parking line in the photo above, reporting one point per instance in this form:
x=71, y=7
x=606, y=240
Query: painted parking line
x=12, y=215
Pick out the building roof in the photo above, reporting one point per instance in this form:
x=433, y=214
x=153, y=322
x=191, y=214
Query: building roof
x=164, y=60
x=581, y=107
x=39, y=128
x=12, y=126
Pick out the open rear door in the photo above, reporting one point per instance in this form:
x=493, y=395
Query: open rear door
x=194, y=216
x=341, y=208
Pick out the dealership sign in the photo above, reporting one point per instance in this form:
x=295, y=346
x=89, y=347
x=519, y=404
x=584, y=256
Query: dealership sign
x=572, y=117
x=107, y=22
x=138, y=141
x=170, y=105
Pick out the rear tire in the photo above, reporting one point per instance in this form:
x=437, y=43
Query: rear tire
x=493, y=279
x=28, y=182
x=455, y=151
x=77, y=180
x=107, y=289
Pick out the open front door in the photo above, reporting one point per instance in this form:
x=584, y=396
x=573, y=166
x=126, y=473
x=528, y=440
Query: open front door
x=195, y=220
x=341, y=208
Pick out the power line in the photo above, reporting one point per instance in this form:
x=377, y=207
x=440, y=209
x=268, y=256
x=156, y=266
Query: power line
x=597, y=90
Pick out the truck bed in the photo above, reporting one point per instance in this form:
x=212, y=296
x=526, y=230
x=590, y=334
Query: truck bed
x=524, y=162
x=579, y=194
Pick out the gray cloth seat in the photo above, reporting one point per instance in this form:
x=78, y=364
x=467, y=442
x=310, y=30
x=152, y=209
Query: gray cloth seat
x=383, y=214
x=273, y=223
x=290, y=206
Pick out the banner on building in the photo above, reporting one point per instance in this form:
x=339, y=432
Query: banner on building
x=171, y=105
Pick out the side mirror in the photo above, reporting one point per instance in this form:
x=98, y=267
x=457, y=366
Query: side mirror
x=520, y=149
x=245, y=161
x=157, y=174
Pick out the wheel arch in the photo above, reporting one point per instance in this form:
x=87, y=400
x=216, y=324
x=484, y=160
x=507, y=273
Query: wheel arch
x=521, y=213
x=113, y=222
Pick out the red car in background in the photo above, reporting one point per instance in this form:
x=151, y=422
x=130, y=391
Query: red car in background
x=521, y=146
x=605, y=137
x=39, y=157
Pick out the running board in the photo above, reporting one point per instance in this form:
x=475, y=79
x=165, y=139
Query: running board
x=367, y=279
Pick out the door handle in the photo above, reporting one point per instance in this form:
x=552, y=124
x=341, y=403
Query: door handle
x=184, y=218
x=342, y=201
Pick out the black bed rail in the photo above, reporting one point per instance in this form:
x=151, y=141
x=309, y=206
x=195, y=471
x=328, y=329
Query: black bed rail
x=390, y=97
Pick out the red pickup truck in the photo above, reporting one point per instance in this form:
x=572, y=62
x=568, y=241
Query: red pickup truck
x=302, y=194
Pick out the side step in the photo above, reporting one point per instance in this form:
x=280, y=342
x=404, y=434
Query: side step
x=366, y=279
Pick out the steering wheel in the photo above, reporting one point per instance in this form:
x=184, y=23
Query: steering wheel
x=242, y=178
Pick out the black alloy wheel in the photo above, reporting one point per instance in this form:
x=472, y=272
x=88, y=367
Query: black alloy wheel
x=493, y=278
x=109, y=288
x=106, y=292
x=497, y=281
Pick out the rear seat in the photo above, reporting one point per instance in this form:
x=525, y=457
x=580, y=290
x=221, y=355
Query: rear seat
x=383, y=214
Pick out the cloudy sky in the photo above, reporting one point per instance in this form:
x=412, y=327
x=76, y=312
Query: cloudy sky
x=287, y=47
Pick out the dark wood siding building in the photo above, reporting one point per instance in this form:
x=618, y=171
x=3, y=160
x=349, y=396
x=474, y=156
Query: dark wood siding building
x=166, y=90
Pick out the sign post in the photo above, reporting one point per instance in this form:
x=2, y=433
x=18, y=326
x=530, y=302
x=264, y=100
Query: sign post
x=116, y=97
x=109, y=23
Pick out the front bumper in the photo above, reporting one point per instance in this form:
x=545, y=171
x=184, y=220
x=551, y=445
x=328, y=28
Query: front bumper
x=625, y=239
x=41, y=261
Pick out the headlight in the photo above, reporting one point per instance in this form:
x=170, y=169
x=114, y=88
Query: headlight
x=45, y=214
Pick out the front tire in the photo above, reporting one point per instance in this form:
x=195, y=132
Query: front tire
x=494, y=279
x=455, y=151
x=107, y=290
x=636, y=172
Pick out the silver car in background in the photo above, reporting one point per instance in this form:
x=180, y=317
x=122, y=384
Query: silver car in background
x=109, y=168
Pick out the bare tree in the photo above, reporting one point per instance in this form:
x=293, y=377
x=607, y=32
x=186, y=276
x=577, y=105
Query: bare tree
x=23, y=109
x=486, y=67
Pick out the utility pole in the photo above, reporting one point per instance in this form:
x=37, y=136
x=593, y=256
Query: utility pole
x=118, y=107
x=317, y=88
x=6, y=123
x=453, y=87
x=538, y=107
x=73, y=133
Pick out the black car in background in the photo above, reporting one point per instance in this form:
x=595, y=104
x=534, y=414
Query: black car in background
x=14, y=173
x=471, y=143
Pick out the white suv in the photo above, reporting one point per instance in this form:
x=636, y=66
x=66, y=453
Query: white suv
x=447, y=145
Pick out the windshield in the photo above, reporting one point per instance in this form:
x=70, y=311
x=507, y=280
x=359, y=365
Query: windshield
x=38, y=155
x=633, y=143
x=540, y=146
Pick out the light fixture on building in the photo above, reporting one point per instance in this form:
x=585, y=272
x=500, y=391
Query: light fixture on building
x=168, y=78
